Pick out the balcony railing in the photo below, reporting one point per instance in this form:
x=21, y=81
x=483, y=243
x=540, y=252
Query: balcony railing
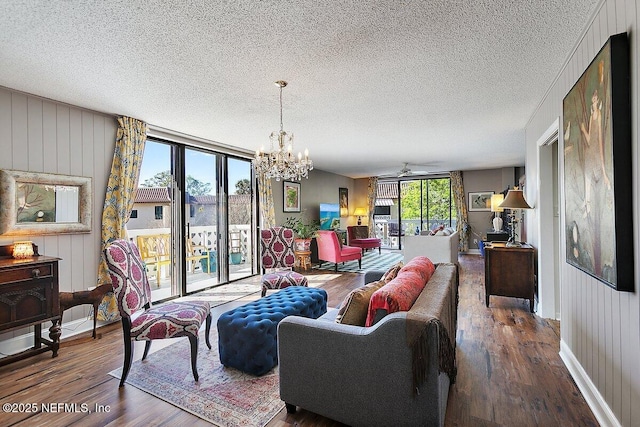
x=204, y=238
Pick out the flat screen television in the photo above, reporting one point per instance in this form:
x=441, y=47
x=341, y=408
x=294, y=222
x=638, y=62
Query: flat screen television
x=329, y=216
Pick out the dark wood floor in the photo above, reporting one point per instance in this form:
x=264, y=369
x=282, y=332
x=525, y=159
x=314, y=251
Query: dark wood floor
x=509, y=372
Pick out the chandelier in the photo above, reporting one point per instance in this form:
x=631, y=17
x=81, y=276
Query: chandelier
x=280, y=163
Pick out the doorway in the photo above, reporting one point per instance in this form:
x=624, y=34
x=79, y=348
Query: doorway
x=548, y=222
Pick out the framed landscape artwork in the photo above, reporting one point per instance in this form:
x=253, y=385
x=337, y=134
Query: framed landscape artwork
x=480, y=201
x=290, y=196
x=597, y=168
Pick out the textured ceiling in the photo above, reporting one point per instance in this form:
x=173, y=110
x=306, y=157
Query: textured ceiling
x=440, y=84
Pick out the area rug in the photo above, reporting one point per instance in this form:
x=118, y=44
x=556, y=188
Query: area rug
x=371, y=260
x=223, y=396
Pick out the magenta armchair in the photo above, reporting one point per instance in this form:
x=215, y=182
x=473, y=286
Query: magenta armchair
x=359, y=237
x=329, y=249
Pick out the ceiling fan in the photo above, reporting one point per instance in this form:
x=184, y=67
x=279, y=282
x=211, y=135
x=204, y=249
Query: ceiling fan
x=406, y=171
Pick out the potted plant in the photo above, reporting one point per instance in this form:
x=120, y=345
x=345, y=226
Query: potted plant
x=304, y=230
x=235, y=256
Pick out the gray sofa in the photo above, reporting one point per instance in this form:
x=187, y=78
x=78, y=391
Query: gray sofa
x=366, y=376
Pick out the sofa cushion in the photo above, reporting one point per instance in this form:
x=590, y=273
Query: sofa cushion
x=400, y=293
x=392, y=272
x=354, y=308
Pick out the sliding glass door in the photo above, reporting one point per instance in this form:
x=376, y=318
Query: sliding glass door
x=241, y=213
x=201, y=219
x=194, y=210
x=152, y=223
x=412, y=206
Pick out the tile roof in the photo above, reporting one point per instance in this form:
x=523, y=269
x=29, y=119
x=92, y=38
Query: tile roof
x=152, y=194
x=161, y=195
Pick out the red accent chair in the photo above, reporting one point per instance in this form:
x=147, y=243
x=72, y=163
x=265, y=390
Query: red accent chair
x=330, y=249
x=359, y=237
x=278, y=257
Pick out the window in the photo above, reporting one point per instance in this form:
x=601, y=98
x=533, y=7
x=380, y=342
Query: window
x=158, y=210
x=134, y=213
x=415, y=206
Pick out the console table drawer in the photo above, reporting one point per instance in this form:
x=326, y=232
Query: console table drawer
x=12, y=275
x=25, y=303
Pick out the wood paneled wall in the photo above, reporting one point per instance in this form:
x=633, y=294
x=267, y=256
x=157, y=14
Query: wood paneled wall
x=40, y=135
x=600, y=328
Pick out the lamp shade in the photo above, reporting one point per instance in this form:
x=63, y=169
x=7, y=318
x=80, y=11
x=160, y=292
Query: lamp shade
x=22, y=250
x=496, y=199
x=515, y=200
x=360, y=212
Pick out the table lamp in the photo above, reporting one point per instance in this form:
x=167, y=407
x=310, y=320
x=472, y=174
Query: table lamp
x=514, y=201
x=360, y=212
x=496, y=199
x=22, y=250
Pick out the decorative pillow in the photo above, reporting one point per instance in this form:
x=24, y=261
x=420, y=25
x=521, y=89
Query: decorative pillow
x=392, y=272
x=437, y=229
x=353, y=310
x=400, y=293
x=422, y=266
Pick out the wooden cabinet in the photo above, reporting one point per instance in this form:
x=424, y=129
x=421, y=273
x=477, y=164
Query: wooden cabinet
x=510, y=272
x=29, y=297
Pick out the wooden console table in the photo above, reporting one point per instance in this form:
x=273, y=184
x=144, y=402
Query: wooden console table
x=510, y=272
x=29, y=297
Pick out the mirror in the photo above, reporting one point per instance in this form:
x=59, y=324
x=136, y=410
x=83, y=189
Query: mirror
x=36, y=203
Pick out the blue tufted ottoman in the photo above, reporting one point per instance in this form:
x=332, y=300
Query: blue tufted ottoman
x=247, y=335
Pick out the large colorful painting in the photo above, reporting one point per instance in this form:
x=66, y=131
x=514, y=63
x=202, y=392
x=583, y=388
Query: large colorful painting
x=597, y=168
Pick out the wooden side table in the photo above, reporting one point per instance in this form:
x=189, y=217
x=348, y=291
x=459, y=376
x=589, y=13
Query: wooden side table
x=303, y=259
x=29, y=297
x=510, y=272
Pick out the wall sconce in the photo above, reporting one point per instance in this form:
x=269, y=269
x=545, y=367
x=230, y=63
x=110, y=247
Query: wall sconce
x=344, y=212
x=514, y=200
x=360, y=212
x=22, y=250
x=496, y=199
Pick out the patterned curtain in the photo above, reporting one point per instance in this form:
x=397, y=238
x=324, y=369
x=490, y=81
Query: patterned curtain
x=267, y=210
x=372, y=194
x=461, y=208
x=120, y=196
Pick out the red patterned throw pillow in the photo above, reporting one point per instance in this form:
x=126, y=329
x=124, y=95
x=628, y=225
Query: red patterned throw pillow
x=400, y=293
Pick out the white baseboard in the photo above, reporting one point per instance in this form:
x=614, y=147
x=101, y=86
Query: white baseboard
x=23, y=342
x=594, y=399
